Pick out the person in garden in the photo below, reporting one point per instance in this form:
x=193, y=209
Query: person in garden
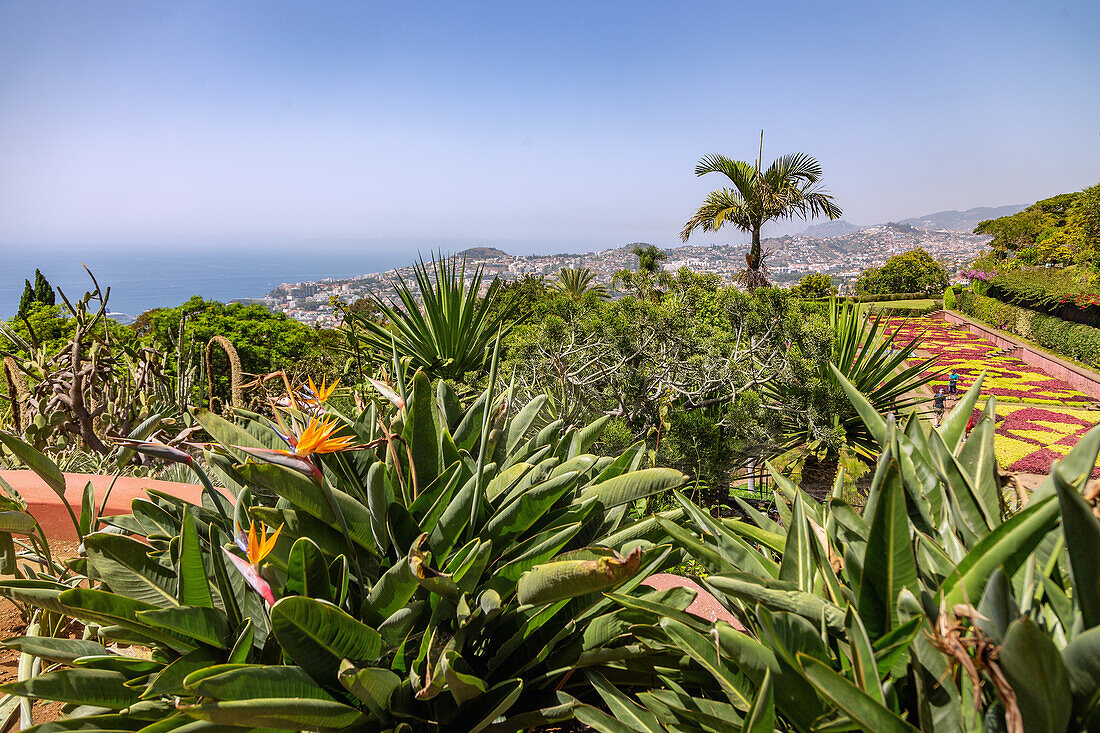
x=953, y=382
x=939, y=404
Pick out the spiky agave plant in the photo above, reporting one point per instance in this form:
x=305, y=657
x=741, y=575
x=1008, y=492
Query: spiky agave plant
x=447, y=331
x=575, y=283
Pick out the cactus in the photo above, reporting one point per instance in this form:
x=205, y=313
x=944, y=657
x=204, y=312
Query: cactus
x=236, y=393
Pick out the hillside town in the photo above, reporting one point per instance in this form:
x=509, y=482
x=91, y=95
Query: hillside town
x=842, y=257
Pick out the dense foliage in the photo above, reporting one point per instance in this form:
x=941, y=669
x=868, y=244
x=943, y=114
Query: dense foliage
x=436, y=567
x=265, y=342
x=1060, y=230
x=815, y=285
x=911, y=272
x=932, y=609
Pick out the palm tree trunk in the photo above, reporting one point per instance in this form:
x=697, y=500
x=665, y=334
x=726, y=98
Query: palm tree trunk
x=753, y=258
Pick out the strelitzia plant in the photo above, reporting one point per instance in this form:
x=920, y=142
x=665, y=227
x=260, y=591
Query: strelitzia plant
x=441, y=568
x=926, y=611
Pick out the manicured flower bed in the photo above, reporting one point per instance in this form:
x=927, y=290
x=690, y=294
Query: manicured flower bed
x=1041, y=419
x=1029, y=438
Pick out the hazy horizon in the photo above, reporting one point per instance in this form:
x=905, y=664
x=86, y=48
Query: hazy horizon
x=531, y=128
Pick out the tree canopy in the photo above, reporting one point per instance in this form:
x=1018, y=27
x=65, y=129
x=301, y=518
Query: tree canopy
x=911, y=272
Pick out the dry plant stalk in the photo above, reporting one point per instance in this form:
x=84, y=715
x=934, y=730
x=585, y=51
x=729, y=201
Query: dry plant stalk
x=968, y=647
x=236, y=395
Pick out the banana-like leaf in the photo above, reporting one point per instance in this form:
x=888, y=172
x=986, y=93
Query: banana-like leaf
x=208, y=625
x=1082, y=531
x=63, y=651
x=888, y=562
x=797, y=567
x=778, y=596
x=234, y=682
x=318, y=636
x=868, y=713
x=1033, y=667
x=194, y=585
x=101, y=688
x=373, y=686
x=421, y=433
x=113, y=609
x=1008, y=546
x=283, y=713
x=633, y=486
x=37, y=462
x=557, y=581
x=705, y=653
x=761, y=714
x=623, y=708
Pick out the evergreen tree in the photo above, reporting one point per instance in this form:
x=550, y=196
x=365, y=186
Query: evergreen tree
x=26, y=299
x=43, y=291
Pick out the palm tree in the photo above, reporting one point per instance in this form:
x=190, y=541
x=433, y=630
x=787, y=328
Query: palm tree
x=788, y=188
x=650, y=277
x=575, y=283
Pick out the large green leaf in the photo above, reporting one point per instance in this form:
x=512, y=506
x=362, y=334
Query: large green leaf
x=126, y=566
x=635, y=485
x=778, y=596
x=420, y=432
x=318, y=636
x=623, y=708
x=113, y=609
x=521, y=514
x=100, y=688
x=283, y=713
x=373, y=686
x=307, y=571
x=54, y=649
x=1082, y=531
x=234, y=682
x=1008, y=546
x=888, y=562
x=207, y=625
x=557, y=581
x=868, y=713
x=194, y=585
x=797, y=566
x=1033, y=667
x=1081, y=658
x=705, y=653
x=40, y=464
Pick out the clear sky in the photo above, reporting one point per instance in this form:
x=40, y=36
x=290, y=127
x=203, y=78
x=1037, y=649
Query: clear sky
x=530, y=126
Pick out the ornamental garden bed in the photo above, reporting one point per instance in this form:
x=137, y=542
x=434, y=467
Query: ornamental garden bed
x=1040, y=417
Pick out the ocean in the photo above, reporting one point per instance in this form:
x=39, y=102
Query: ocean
x=152, y=277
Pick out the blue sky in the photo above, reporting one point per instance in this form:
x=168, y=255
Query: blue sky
x=547, y=126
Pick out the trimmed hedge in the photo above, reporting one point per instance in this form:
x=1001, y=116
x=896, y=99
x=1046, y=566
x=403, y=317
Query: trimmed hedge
x=1055, y=292
x=881, y=298
x=949, y=298
x=914, y=312
x=1075, y=340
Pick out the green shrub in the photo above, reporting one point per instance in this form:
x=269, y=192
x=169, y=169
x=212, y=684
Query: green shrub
x=949, y=298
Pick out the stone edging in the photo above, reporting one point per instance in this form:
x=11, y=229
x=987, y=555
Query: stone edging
x=1083, y=379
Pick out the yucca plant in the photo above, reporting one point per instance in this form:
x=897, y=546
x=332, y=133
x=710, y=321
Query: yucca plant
x=575, y=283
x=434, y=567
x=927, y=611
x=819, y=419
x=443, y=325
